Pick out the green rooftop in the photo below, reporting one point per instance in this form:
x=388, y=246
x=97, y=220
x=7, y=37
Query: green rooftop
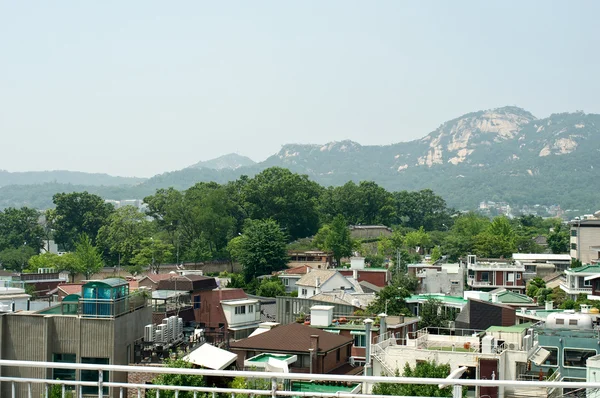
x=444, y=299
x=586, y=268
x=266, y=357
x=508, y=297
x=307, y=386
x=515, y=328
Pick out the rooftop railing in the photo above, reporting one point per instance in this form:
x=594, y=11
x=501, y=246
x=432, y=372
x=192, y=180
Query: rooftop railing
x=30, y=387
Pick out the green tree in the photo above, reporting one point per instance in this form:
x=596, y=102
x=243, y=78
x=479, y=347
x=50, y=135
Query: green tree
x=422, y=209
x=559, y=238
x=432, y=314
x=534, y=286
x=271, y=287
x=261, y=249
x=124, y=232
x=286, y=197
x=417, y=241
x=65, y=262
x=152, y=253
x=16, y=259
x=392, y=297
x=436, y=254
x=335, y=237
x=171, y=379
x=87, y=258
x=429, y=369
x=558, y=296
x=498, y=240
x=20, y=227
x=253, y=383
x=78, y=213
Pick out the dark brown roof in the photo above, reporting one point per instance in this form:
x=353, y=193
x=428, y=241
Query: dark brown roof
x=190, y=283
x=293, y=337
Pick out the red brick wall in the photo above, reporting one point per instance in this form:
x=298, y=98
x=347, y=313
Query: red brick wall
x=330, y=361
x=378, y=278
x=210, y=312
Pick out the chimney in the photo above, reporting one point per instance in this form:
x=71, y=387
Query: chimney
x=314, y=346
x=548, y=305
x=382, y=326
x=355, y=274
x=318, y=285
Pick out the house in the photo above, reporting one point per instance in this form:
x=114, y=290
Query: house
x=512, y=299
x=432, y=281
x=318, y=281
x=290, y=276
x=41, y=282
x=369, y=231
x=321, y=317
x=542, y=264
x=594, y=280
x=377, y=276
x=307, y=349
x=554, y=280
x=65, y=289
x=489, y=275
x=98, y=325
x=481, y=314
x=493, y=353
x=577, y=281
x=242, y=316
x=585, y=240
x=294, y=309
x=312, y=258
x=450, y=305
x=151, y=281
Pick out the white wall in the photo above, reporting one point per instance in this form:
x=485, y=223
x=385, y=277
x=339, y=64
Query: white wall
x=234, y=319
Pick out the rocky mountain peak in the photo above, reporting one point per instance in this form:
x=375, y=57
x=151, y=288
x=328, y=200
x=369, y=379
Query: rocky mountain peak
x=230, y=161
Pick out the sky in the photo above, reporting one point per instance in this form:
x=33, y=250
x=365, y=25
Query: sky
x=141, y=87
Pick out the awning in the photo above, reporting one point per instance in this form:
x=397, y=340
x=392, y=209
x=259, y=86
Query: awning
x=332, y=331
x=211, y=357
x=356, y=332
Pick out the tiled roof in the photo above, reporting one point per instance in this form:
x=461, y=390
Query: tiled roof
x=310, y=279
x=360, y=300
x=508, y=297
x=296, y=270
x=294, y=337
x=157, y=277
x=592, y=269
x=70, y=288
x=368, y=287
x=190, y=283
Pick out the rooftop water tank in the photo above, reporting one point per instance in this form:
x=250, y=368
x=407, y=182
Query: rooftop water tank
x=569, y=320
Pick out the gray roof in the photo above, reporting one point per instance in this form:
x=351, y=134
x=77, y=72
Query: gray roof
x=368, y=287
x=310, y=279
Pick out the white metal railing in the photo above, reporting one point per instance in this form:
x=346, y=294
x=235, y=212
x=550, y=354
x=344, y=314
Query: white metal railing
x=274, y=391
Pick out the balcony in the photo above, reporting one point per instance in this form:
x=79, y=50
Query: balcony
x=485, y=284
x=496, y=267
x=571, y=289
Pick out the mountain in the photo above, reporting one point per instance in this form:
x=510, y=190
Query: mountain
x=65, y=177
x=230, y=161
x=504, y=155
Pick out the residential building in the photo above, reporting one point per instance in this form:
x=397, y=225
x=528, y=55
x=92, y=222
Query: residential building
x=481, y=314
x=290, y=276
x=321, y=317
x=498, y=353
x=577, y=281
x=358, y=300
x=305, y=347
x=377, y=276
x=440, y=281
x=451, y=305
x=242, y=316
x=317, y=281
x=13, y=299
x=99, y=326
x=542, y=264
x=151, y=281
x=489, y=275
x=585, y=240
x=313, y=258
x=294, y=309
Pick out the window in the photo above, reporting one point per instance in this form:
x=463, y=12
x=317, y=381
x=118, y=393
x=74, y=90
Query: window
x=576, y=357
x=573, y=232
x=92, y=375
x=552, y=359
x=572, y=322
x=560, y=321
x=286, y=282
x=250, y=309
x=304, y=292
x=64, y=374
x=485, y=276
x=587, y=283
x=510, y=277
x=360, y=340
x=454, y=283
x=240, y=310
x=338, y=354
x=197, y=302
x=573, y=246
x=518, y=276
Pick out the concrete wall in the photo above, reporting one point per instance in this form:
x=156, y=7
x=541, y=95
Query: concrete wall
x=37, y=337
x=288, y=308
x=587, y=236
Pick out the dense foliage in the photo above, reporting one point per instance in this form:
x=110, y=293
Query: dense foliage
x=428, y=369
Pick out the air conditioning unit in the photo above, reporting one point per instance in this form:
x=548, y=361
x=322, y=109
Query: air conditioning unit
x=512, y=346
x=149, y=333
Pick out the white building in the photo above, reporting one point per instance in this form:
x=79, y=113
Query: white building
x=578, y=281
x=242, y=315
x=318, y=281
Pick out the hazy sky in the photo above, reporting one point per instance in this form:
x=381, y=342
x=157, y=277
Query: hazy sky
x=143, y=87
